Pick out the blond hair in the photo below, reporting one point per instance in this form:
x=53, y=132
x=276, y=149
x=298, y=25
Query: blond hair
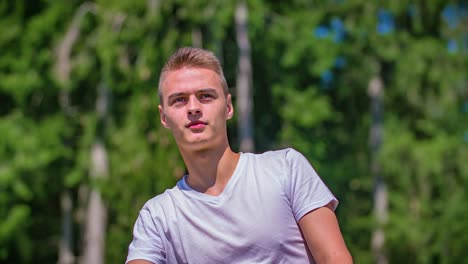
x=192, y=58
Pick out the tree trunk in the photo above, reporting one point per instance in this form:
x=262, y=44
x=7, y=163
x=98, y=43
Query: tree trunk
x=66, y=255
x=244, y=80
x=197, y=37
x=62, y=71
x=96, y=215
x=376, y=90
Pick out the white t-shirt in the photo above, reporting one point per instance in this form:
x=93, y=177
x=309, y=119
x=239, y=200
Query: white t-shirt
x=254, y=220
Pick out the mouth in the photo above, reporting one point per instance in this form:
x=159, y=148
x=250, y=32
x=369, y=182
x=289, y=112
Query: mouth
x=196, y=125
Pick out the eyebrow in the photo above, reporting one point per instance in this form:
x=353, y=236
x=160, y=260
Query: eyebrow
x=174, y=95
x=207, y=90
x=204, y=90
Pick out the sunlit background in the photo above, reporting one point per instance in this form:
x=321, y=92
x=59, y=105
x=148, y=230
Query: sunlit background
x=373, y=93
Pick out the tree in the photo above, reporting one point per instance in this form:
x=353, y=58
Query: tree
x=313, y=61
x=244, y=80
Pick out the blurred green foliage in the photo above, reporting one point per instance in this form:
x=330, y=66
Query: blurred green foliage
x=312, y=62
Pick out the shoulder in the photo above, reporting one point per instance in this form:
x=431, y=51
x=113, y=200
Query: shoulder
x=280, y=152
x=161, y=203
x=276, y=163
x=286, y=164
x=281, y=155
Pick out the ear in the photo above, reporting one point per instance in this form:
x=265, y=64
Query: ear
x=162, y=116
x=230, y=107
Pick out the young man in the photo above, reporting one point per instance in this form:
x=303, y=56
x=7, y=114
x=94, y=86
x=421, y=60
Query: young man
x=230, y=207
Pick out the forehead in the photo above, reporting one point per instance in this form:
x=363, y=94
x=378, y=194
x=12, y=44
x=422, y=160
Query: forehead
x=186, y=80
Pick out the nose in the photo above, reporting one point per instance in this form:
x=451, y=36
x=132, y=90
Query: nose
x=193, y=107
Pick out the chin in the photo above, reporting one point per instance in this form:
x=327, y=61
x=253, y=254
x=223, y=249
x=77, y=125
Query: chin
x=196, y=142
x=202, y=144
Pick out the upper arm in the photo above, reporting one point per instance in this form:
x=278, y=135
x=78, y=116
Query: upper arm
x=323, y=236
x=147, y=245
x=304, y=188
x=139, y=261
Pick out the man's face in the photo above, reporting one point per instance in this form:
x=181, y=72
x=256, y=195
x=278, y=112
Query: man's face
x=195, y=107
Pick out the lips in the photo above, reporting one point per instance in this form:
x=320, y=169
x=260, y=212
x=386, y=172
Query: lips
x=196, y=125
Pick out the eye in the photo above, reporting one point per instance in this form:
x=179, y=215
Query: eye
x=178, y=100
x=206, y=97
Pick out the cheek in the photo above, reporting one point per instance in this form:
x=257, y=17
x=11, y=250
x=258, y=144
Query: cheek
x=169, y=118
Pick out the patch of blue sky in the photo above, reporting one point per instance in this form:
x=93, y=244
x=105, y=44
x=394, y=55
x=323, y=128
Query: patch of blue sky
x=386, y=22
x=321, y=32
x=450, y=16
x=452, y=46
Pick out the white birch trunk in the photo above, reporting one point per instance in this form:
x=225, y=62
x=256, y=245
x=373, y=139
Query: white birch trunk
x=376, y=91
x=62, y=71
x=66, y=255
x=244, y=80
x=197, y=38
x=96, y=215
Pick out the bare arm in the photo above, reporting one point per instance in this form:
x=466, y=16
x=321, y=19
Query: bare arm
x=323, y=236
x=139, y=261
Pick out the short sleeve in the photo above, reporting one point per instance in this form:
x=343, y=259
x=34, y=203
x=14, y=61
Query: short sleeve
x=147, y=243
x=305, y=189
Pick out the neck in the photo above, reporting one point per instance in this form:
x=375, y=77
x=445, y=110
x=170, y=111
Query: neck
x=210, y=169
